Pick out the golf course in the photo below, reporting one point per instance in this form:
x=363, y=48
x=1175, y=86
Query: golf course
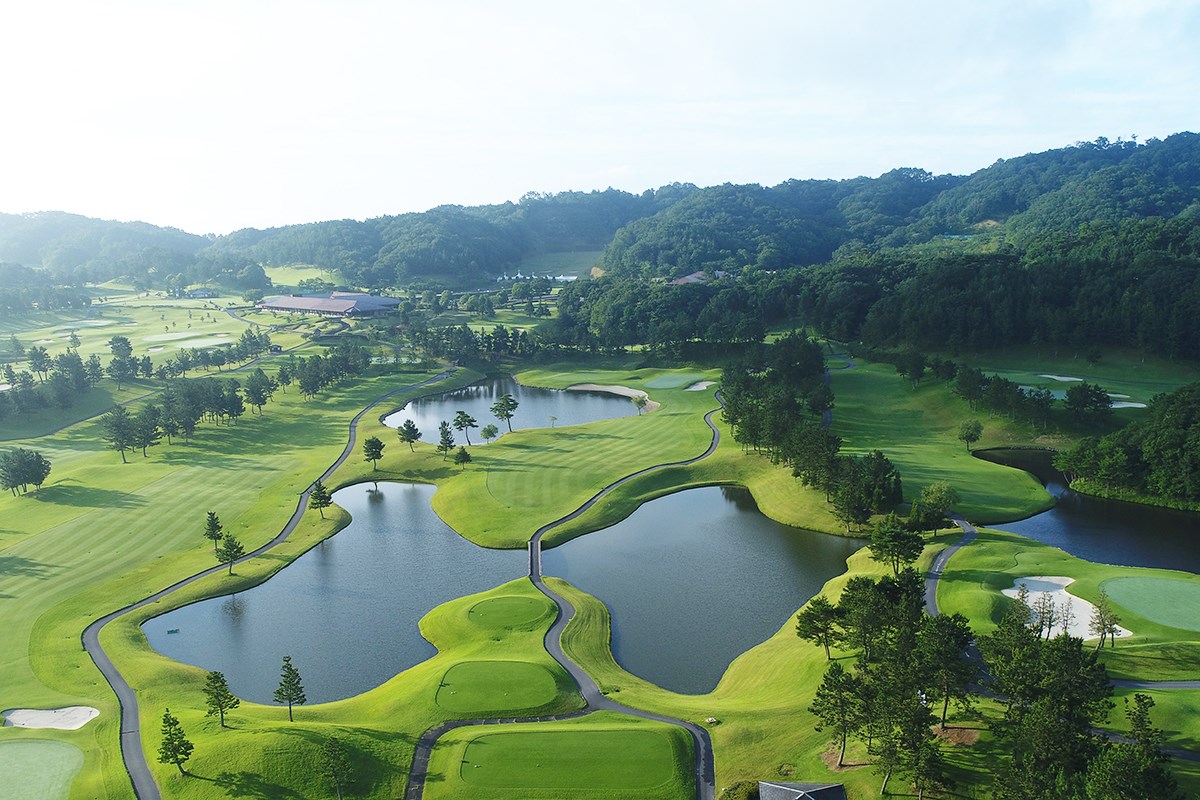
x=514, y=685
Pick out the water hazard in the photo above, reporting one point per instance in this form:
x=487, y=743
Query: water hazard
x=539, y=408
x=347, y=610
x=696, y=578
x=1103, y=531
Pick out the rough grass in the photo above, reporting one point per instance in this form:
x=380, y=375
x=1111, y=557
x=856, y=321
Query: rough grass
x=602, y=755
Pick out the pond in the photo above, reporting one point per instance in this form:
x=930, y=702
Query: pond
x=696, y=578
x=539, y=408
x=347, y=610
x=1099, y=530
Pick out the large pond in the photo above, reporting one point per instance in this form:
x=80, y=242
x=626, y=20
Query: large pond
x=347, y=610
x=1104, y=531
x=539, y=408
x=696, y=578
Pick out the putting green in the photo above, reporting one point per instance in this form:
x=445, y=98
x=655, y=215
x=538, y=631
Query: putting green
x=1162, y=600
x=674, y=381
x=38, y=769
x=496, y=686
x=509, y=611
x=570, y=759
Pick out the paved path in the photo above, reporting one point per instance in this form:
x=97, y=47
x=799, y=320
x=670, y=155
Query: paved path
x=939, y=563
x=593, y=698
x=131, y=738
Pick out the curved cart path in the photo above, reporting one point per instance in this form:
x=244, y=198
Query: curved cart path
x=132, y=752
x=593, y=698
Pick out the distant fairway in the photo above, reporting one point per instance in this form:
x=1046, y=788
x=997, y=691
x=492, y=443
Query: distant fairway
x=1165, y=601
x=580, y=759
x=485, y=686
x=38, y=769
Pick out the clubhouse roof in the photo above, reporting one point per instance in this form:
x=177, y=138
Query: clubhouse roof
x=336, y=304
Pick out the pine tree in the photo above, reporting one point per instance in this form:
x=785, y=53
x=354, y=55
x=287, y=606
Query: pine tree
x=409, y=433
x=230, y=551
x=218, y=697
x=320, y=498
x=175, y=747
x=290, y=690
x=213, y=530
x=335, y=763
x=445, y=439
x=373, y=451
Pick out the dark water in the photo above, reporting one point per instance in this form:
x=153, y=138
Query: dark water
x=1104, y=531
x=696, y=578
x=536, y=408
x=347, y=610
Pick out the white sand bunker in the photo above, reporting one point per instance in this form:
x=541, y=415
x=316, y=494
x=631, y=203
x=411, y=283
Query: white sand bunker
x=68, y=719
x=44, y=341
x=624, y=391
x=1062, y=378
x=1054, y=587
x=1127, y=404
x=700, y=386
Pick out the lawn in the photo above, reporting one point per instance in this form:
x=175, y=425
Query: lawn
x=38, y=769
x=601, y=755
x=579, y=262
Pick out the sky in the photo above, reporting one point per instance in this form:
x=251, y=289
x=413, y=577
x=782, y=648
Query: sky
x=225, y=114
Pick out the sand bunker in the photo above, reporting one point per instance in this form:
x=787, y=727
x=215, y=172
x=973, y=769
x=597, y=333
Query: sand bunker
x=700, y=386
x=1062, y=378
x=624, y=391
x=1056, y=587
x=68, y=719
x=44, y=341
x=1126, y=404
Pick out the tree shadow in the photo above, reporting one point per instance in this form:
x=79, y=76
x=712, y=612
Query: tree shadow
x=251, y=784
x=87, y=496
x=18, y=566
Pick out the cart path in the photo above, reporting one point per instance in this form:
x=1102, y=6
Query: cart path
x=132, y=752
x=594, y=699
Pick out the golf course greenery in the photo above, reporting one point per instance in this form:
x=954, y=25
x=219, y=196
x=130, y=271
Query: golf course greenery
x=101, y=534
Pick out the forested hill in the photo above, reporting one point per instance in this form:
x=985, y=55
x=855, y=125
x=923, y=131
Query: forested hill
x=1017, y=199
x=1037, y=205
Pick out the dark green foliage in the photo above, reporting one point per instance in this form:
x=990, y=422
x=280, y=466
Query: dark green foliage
x=505, y=408
x=217, y=696
x=21, y=468
x=119, y=430
x=409, y=433
x=373, y=451
x=818, y=621
x=969, y=432
x=464, y=422
x=462, y=457
x=335, y=763
x=175, y=748
x=320, y=498
x=213, y=530
x=291, y=690
x=445, y=439
x=1088, y=403
x=893, y=544
x=229, y=551
x=838, y=705
x=1156, y=456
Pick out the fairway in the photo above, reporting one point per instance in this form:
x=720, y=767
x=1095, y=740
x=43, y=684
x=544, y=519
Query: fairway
x=38, y=769
x=482, y=686
x=507, y=612
x=1166, y=601
x=582, y=759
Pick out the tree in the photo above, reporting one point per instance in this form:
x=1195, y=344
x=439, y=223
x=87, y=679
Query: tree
x=837, y=705
x=1104, y=621
x=445, y=439
x=969, y=432
x=22, y=468
x=893, y=544
x=373, y=451
x=229, y=551
x=489, y=432
x=817, y=622
x=504, y=409
x=39, y=361
x=1088, y=403
x=640, y=401
x=942, y=644
x=464, y=422
x=409, y=433
x=319, y=498
x=936, y=500
x=213, y=530
x=218, y=697
x=290, y=690
x=462, y=457
x=120, y=347
x=146, y=429
x=175, y=747
x=335, y=763
x=118, y=430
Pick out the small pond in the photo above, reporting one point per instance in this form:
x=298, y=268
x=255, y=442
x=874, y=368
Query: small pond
x=696, y=578
x=347, y=610
x=1099, y=530
x=539, y=408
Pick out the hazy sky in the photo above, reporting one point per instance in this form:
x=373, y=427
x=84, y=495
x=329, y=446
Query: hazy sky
x=215, y=115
